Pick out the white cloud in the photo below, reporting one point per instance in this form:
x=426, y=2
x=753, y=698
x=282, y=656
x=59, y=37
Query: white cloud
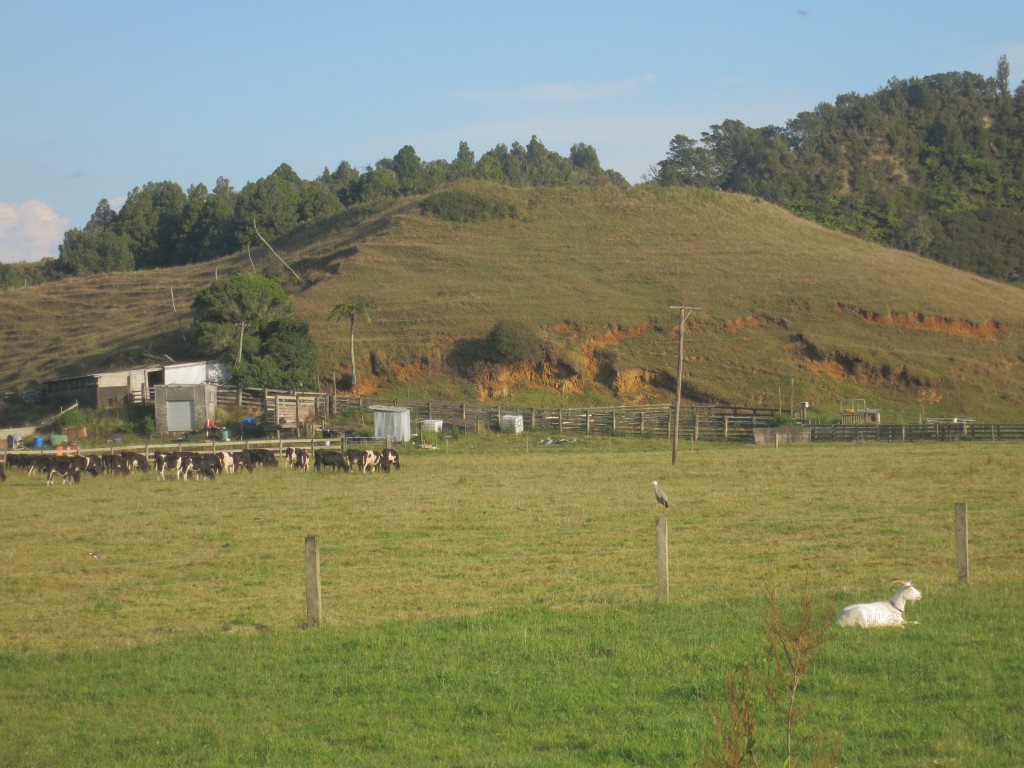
x=30, y=231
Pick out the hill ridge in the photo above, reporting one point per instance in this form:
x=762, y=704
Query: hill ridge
x=785, y=302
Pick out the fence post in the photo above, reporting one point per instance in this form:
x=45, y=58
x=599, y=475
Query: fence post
x=960, y=526
x=661, y=528
x=313, y=614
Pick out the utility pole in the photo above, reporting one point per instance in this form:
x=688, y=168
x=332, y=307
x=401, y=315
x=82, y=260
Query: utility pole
x=684, y=312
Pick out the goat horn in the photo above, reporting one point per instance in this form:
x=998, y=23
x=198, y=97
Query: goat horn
x=904, y=582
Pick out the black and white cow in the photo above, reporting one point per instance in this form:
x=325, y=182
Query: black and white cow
x=242, y=459
x=114, y=464
x=90, y=464
x=355, y=458
x=333, y=460
x=135, y=461
x=65, y=469
x=263, y=456
x=389, y=459
x=369, y=461
x=206, y=465
x=225, y=462
x=181, y=462
x=31, y=463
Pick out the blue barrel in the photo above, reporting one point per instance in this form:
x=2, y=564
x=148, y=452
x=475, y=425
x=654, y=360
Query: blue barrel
x=37, y=441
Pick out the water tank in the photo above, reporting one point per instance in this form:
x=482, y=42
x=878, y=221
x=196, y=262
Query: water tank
x=512, y=422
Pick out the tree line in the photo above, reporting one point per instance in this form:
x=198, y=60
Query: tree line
x=933, y=165
x=162, y=225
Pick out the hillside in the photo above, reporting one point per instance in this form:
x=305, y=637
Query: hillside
x=789, y=311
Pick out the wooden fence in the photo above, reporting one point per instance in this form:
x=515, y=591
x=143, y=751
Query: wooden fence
x=696, y=422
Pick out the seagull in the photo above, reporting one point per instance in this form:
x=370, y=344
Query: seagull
x=96, y=555
x=659, y=494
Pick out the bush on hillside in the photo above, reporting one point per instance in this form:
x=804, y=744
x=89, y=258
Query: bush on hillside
x=513, y=342
x=464, y=207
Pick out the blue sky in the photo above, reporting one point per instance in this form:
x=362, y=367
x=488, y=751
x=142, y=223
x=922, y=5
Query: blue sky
x=101, y=98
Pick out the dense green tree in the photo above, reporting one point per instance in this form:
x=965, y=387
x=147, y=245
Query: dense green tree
x=344, y=181
x=230, y=314
x=317, y=202
x=270, y=204
x=464, y=163
x=377, y=184
x=489, y=168
x=934, y=164
x=151, y=219
x=103, y=217
x=216, y=223
x=686, y=164
x=285, y=359
x=584, y=158
x=409, y=169
x=92, y=250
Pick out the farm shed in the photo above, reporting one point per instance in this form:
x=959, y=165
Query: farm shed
x=184, y=407
x=130, y=385
x=202, y=372
x=391, y=421
x=98, y=390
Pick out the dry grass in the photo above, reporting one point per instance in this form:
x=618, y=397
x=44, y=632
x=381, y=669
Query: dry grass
x=474, y=531
x=785, y=305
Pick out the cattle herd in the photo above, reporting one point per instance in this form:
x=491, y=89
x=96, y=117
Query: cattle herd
x=182, y=465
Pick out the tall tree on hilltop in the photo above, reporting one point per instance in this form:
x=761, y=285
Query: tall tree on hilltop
x=351, y=309
x=151, y=219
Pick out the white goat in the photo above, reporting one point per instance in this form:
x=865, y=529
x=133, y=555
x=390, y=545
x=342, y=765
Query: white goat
x=886, y=613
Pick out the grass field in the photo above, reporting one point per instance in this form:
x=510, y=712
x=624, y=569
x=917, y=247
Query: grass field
x=790, y=311
x=495, y=604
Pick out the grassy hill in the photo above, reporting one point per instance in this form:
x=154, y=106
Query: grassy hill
x=789, y=311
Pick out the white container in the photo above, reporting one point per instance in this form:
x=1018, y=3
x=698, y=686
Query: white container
x=512, y=422
x=432, y=425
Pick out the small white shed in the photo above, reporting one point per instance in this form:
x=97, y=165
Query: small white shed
x=392, y=421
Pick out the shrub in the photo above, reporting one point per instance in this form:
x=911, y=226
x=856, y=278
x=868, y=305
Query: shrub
x=461, y=206
x=513, y=342
x=77, y=417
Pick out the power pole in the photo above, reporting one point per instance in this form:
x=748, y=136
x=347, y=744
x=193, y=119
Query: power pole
x=684, y=312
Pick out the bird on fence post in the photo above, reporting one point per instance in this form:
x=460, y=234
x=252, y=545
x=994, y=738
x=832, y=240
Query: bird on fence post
x=660, y=495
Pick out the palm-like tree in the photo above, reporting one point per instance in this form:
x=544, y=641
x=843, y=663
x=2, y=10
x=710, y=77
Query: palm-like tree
x=351, y=309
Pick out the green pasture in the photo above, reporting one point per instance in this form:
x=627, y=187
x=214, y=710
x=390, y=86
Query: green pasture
x=493, y=603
